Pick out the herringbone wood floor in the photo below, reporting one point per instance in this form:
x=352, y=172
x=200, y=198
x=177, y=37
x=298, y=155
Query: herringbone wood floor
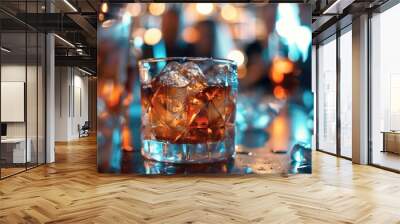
x=71, y=191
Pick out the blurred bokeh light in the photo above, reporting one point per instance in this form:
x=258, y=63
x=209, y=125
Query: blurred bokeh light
x=270, y=43
x=104, y=7
x=237, y=56
x=230, y=13
x=134, y=9
x=156, y=9
x=152, y=36
x=205, y=8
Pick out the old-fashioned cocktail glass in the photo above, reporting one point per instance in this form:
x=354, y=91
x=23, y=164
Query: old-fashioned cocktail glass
x=188, y=109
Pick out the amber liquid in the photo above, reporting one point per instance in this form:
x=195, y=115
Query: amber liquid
x=179, y=115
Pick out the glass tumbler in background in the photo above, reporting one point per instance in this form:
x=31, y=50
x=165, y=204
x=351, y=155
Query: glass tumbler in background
x=188, y=109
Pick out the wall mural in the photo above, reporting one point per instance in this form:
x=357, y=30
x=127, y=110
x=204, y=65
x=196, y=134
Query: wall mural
x=194, y=88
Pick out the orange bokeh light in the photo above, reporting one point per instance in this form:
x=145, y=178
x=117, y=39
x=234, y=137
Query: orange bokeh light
x=156, y=9
x=111, y=93
x=280, y=92
x=128, y=100
x=280, y=133
x=242, y=72
x=229, y=13
x=277, y=77
x=281, y=67
x=126, y=139
x=190, y=35
x=101, y=17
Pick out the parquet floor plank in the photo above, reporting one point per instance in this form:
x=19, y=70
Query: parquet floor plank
x=71, y=191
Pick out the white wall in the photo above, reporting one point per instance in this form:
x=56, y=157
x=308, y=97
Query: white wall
x=13, y=73
x=61, y=103
x=81, y=94
x=34, y=125
x=10, y=73
x=71, y=93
